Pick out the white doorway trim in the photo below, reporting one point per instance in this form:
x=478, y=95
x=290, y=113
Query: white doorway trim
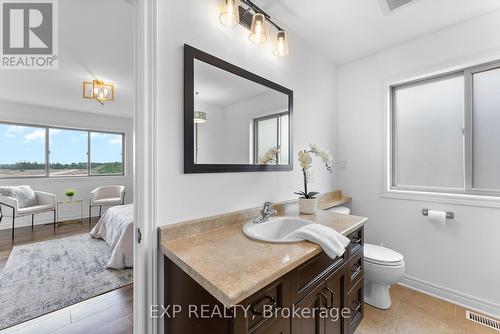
x=145, y=252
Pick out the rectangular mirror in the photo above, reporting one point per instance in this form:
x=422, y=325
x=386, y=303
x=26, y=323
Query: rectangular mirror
x=234, y=120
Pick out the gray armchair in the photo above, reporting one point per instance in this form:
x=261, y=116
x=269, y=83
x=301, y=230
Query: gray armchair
x=45, y=202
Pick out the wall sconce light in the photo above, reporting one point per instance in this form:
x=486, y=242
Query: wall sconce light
x=99, y=91
x=230, y=15
x=254, y=19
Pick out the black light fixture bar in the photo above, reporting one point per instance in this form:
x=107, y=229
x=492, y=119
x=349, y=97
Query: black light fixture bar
x=246, y=16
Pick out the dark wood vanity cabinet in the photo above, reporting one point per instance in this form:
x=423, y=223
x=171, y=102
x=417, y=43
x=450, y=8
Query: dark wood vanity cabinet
x=326, y=297
x=319, y=291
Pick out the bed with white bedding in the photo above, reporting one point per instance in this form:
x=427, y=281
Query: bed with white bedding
x=116, y=227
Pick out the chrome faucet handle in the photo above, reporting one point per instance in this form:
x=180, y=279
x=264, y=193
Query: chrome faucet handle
x=267, y=206
x=266, y=212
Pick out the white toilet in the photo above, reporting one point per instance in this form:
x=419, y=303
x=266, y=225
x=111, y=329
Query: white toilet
x=383, y=267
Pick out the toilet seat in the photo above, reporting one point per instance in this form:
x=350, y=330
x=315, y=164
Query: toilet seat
x=382, y=256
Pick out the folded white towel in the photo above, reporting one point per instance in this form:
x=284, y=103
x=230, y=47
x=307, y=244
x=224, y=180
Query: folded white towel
x=332, y=242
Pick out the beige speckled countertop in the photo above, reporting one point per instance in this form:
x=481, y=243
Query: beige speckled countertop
x=232, y=266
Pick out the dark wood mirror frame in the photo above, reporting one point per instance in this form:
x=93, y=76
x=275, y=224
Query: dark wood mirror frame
x=190, y=55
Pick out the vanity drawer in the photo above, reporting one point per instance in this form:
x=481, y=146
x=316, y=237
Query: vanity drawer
x=354, y=269
x=356, y=243
x=355, y=302
x=307, y=276
x=275, y=295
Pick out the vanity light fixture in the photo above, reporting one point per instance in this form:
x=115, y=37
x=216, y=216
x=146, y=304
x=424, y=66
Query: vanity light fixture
x=99, y=91
x=230, y=15
x=254, y=19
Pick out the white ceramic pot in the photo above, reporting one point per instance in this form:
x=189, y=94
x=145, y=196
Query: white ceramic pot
x=308, y=206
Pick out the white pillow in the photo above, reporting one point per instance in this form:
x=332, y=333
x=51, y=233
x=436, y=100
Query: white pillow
x=24, y=194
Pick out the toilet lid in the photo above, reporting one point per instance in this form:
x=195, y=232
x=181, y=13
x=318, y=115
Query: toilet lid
x=381, y=255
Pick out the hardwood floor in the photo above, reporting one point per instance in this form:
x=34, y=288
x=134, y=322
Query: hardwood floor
x=108, y=313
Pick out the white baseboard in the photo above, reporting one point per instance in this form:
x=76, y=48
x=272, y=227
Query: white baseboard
x=452, y=296
x=40, y=219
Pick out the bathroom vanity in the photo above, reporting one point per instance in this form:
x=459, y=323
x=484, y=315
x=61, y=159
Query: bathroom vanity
x=224, y=282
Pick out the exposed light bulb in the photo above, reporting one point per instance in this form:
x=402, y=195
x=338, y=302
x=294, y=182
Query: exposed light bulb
x=258, y=29
x=281, y=48
x=230, y=15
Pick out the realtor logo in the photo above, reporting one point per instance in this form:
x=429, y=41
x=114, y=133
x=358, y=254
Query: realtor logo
x=28, y=34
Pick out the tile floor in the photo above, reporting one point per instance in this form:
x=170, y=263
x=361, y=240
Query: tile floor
x=413, y=312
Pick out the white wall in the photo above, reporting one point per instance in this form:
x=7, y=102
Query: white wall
x=309, y=75
x=239, y=122
x=211, y=134
x=30, y=114
x=455, y=262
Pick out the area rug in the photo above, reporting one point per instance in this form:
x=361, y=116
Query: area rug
x=46, y=276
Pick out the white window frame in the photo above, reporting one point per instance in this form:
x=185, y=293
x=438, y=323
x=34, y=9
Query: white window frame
x=47, y=152
x=467, y=195
x=256, y=122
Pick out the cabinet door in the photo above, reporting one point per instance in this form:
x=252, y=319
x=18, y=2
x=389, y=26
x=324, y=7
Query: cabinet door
x=334, y=289
x=355, y=302
x=312, y=323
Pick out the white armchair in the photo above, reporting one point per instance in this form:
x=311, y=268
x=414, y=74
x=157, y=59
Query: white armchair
x=45, y=202
x=106, y=196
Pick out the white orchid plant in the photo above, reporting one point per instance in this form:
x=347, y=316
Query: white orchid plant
x=270, y=156
x=305, y=159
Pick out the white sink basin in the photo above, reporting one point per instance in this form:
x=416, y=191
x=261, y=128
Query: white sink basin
x=276, y=229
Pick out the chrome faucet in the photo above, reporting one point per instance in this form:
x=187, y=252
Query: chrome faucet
x=266, y=213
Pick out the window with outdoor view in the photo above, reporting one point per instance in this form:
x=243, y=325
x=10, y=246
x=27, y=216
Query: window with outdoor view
x=32, y=151
x=22, y=151
x=106, y=153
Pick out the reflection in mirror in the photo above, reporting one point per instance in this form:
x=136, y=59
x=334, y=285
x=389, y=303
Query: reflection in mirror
x=238, y=121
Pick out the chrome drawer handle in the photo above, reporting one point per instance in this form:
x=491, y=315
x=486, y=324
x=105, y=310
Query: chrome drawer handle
x=356, y=240
x=355, y=270
x=332, y=295
x=358, y=306
x=326, y=299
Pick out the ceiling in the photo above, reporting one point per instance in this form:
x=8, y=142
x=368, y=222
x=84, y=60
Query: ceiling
x=346, y=30
x=95, y=41
x=92, y=45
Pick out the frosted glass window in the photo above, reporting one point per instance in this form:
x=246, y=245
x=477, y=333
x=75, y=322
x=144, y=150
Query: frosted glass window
x=284, y=134
x=428, y=133
x=272, y=132
x=267, y=131
x=486, y=130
